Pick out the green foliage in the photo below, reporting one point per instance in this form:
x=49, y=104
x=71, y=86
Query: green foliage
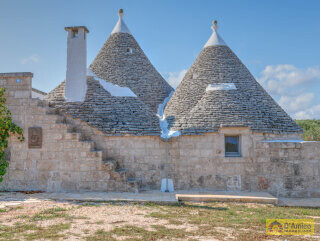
x=311, y=129
x=7, y=128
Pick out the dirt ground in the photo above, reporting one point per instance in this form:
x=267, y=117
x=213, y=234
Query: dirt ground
x=53, y=220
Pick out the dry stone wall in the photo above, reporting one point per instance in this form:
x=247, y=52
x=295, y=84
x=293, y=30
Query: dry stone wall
x=199, y=162
x=77, y=157
x=280, y=168
x=64, y=161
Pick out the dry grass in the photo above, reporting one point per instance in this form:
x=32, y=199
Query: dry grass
x=49, y=220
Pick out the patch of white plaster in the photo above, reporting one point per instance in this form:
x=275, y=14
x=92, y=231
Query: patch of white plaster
x=221, y=86
x=114, y=90
x=166, y=133
x=284, y=141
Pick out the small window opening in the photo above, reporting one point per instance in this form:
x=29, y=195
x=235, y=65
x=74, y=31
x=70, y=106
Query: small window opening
x=129, y=50
x=18, y=81
x=232, y=146
x=75, y=33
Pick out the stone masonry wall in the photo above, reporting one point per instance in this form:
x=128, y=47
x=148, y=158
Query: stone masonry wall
x=77, y=157
x=65, y=162
x=199, y=162
x=280, y=168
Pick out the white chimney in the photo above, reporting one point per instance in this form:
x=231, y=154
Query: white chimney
x=76, y=79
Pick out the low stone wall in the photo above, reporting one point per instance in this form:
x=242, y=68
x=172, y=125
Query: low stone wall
x=85, y=161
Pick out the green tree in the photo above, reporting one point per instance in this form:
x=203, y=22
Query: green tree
x=7, y=129
x=311, y=129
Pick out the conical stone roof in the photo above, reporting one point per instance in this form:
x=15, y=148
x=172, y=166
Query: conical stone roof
x=121, y=61
x=218, y=90
x=114, y=115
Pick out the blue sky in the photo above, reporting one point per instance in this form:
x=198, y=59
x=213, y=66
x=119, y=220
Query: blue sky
x=279, y=41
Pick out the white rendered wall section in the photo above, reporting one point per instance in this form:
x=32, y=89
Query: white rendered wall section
x=76, y=79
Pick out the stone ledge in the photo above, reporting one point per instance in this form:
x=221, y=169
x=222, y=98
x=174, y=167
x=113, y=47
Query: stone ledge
x=17, y=74
x=299, y=202
x=254, y=198
x=152, y=196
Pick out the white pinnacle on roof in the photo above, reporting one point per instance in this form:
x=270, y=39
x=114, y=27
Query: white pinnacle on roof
x=121, y=27
x=215, y=39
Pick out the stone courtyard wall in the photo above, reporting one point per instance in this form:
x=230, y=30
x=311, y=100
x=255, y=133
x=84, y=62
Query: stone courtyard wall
x=85, y=160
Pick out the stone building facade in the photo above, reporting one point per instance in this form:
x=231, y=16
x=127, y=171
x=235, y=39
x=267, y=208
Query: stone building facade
x=113, y=142
x=77, y=157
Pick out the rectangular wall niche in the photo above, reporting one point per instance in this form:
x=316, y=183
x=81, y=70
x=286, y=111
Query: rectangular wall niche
x=35, y=137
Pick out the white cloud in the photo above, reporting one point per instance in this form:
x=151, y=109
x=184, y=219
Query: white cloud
x=296, y=103
x=295, y=89
x=175, y=78
x=31, y=59
x=278, y=78
x=311, y=113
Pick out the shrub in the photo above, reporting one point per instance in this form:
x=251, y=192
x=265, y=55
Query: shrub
x=7, y=129
x=311, y=129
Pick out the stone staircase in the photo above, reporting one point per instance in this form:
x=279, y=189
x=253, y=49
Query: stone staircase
x=121, y=179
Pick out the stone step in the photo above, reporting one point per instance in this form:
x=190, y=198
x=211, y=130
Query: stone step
x=35, y=102
x=86, y=141
x=84, y=145
x=253, y=197
x=111, y=164
x=134, y=184
x=96, y=153
x=95, y=150
x=73, y=129
x=112, y=161
x=71, y=136
x=145, y=189
x=132, y=189
x=85, y=138
x=42, y=103
x=75, y=133
x=52, y=111
x=121, y=170
x=62, y=120
x=134, y=180
x=121, y=173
